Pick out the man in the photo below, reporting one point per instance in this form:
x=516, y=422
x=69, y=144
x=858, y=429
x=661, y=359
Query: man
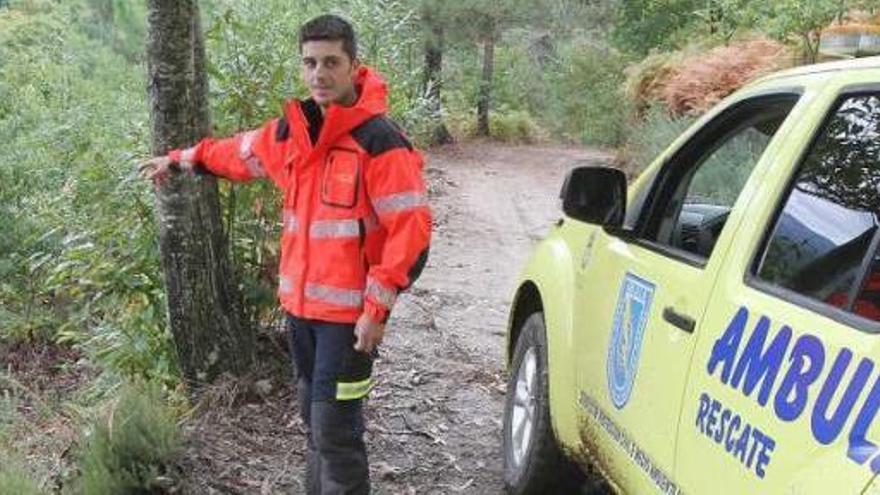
x=356, y=232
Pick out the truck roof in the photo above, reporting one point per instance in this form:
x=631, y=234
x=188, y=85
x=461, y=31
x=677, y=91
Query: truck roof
x=824, y=67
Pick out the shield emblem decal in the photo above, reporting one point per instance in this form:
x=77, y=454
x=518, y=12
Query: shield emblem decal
x=627, y=332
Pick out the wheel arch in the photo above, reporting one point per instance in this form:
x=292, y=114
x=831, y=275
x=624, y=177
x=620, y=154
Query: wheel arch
x=548, y=286
x=527, y=301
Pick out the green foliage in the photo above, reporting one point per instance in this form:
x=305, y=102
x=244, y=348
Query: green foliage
x=14, y=480
x=571, y=90
x=485, y=22
x=420, y=119
x=586, y=100
x=389, y=41
x=118, y=24
x=253, y=61
x=514, y=126
x=78, y=256
x=724, y=18
x=593, y=18
x=645, y=25
x=132, y=447
x=478, y=20
x=642, y=25
x=253, y=65
x=8, y=411
x=786, y=18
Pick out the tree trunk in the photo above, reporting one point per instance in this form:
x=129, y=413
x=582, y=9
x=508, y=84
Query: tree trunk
x=486, y=86
x=204, y=306
x=433, y=82
x=811, y=50
x=542, y=51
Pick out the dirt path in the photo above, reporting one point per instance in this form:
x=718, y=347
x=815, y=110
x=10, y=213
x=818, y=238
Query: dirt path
x=434, y=419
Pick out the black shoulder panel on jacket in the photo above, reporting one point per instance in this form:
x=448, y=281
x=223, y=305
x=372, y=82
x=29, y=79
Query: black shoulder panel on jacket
x=380, y=134
x=283, y=130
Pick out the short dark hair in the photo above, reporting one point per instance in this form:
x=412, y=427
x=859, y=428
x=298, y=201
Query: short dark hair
x=329, y=27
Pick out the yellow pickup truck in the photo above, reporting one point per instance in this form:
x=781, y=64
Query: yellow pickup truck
x=714, y=327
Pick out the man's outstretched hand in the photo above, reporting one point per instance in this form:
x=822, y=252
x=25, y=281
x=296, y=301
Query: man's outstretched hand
x=157, y=169
x=368, y=333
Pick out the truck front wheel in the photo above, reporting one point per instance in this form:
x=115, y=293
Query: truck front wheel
x=533, y=463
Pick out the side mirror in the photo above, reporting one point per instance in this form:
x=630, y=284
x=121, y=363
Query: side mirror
x=595, y=195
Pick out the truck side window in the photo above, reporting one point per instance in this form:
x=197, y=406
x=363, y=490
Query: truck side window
x=712, y=187
x=824, y=241
x=697, y=189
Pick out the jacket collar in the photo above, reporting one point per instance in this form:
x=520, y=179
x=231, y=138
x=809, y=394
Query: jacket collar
x=338, y=120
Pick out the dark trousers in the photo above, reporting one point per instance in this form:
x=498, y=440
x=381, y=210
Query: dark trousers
x=332, y=380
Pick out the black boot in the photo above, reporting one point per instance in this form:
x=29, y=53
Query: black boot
x=338, y=434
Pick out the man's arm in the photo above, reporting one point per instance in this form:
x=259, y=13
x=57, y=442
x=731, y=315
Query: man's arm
x=399, y=197
x=245, y=156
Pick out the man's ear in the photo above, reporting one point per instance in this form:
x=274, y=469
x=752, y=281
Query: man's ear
x=355, y=64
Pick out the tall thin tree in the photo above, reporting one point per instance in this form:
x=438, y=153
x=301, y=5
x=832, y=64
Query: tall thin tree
x=204, y=305
x=432, y=83
x=484, y=98
x=484, y=22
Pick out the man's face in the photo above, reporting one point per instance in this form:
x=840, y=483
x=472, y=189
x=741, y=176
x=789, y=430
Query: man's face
x=329, y=73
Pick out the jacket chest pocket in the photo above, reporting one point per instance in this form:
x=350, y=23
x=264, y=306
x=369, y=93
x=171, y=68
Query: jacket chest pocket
x=341, y=180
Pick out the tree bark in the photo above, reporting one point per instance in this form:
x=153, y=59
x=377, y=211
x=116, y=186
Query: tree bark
x=434, y=45
x=204, y=305
x=486, y=86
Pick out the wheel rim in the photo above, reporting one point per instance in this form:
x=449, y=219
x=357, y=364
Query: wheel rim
x=523, y=413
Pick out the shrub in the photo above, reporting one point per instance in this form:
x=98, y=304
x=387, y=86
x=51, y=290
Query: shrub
x=692, y=80
x=646, y=79
x=132, y=447
x=78, y=254
x=514, y=126
x=505, y=124
x=648, y=137
x=570, y=93
x=14, y=480
x=585, y=101
x=704, y=79
x=642, y=25
x=421, y=119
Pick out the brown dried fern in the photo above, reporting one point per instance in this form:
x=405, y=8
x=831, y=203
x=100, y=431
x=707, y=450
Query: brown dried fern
x=701, y=81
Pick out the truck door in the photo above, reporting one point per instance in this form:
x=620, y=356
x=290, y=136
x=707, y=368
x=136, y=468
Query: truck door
x=784, y=388
x=643, y=291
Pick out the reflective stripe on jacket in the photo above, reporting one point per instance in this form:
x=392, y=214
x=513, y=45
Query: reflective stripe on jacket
x=356, y=220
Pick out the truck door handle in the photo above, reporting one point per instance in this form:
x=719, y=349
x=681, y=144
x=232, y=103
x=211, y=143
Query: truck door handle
x=680, y=320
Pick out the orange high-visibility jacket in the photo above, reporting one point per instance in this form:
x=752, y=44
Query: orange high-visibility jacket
x=356, y=219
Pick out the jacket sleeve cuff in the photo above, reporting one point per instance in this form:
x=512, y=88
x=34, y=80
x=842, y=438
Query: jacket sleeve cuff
x=381, y=296
x=376, y=312
x=185, y=158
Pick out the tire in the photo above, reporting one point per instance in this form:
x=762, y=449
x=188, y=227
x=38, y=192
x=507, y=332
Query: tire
x=533, y=462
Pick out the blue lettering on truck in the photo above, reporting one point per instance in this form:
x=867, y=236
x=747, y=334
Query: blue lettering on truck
x=745, y=442
x=782, y=373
